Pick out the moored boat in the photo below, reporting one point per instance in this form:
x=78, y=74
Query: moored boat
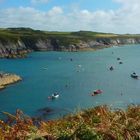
x=120, y=62
x=134, y=75
x=111, y=68
x=96, y=92
x=53, y=96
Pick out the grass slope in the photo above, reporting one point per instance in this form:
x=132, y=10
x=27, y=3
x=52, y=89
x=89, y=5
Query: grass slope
x=12, y=33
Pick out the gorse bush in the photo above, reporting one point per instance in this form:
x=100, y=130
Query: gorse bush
x=99, y=123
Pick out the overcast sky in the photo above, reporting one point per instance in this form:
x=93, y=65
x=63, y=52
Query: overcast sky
x=117, y=16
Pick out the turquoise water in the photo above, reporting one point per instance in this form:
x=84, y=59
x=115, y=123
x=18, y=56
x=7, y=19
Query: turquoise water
x=44, y=73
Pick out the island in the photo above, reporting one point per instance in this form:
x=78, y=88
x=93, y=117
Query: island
x=7, y=78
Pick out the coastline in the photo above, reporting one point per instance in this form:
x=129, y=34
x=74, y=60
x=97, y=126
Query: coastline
x=18, y=42
x=94, y=124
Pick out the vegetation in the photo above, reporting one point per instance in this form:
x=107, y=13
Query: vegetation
x=17, y=42
x=59, y=40
x=19, y=33
x=99, y=123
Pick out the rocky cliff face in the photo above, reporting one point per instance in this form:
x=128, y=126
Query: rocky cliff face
x=11, y=49
x=20, y=47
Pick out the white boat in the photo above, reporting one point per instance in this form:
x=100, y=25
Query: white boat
x=134, y=75
x=79, y=66
x=55, y=95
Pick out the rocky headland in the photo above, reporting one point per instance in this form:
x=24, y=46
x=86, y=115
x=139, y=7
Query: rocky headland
x=6, y=79
x=17, y=42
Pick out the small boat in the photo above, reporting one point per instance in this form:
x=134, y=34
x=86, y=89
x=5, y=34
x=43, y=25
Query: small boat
x=111, y=68
x=95, y=92
x=120, y=62
x=54, y=96
x=118, y=58
x=134, y=75
x=79, y=66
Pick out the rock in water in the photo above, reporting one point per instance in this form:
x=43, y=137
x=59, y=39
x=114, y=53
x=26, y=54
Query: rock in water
x=6, y=79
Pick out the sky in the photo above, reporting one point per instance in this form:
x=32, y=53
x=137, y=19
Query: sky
x=113, y=16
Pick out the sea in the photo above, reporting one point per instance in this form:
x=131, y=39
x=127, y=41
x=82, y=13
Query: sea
x=74, y=76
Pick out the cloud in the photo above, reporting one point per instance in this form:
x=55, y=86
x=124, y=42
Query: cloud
x=55, y=10
x=30, y=17
x=39, y=1
x=123, y=20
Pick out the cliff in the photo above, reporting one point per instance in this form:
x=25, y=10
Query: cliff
x=17, y=42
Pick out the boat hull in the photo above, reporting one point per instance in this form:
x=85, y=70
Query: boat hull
x=134, y=76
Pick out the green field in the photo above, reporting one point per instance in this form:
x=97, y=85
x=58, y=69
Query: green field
x=16, y=33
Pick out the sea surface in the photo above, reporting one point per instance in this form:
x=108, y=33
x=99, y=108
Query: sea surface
x=74, y=75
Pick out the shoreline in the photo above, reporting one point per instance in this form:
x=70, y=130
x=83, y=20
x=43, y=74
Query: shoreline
x=92, y=49
x=14, y=42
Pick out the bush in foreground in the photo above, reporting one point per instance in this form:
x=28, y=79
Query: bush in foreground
x=99, y=123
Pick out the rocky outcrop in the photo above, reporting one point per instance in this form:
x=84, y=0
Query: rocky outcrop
x=11, y=49
x=102, y=43
x=6, y=79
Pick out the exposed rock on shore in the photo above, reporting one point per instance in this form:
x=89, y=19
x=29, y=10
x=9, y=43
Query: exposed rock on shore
x=6, y=79
x=14, y=50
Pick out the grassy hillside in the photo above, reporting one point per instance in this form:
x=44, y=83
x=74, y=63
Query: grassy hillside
x=99, y=123
x=14, y=33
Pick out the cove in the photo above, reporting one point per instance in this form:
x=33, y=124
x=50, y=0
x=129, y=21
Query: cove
x=74, y=75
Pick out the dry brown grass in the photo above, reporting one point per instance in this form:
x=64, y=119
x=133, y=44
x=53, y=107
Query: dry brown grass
x=99, y=123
